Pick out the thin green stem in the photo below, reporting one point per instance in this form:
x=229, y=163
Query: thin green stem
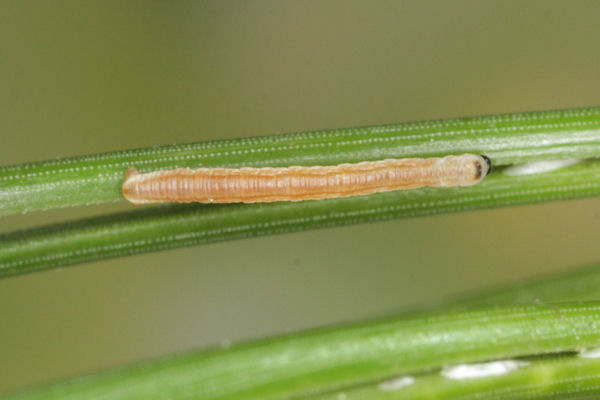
x=184, y=225
x=335, y=359
x=506, y=139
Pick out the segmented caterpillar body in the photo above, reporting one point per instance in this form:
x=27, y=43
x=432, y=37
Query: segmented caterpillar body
x=297, y=183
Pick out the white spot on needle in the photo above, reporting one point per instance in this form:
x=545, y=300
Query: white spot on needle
x=538, y=167
x=396, y=383
x=591, y=353
x=467, y=371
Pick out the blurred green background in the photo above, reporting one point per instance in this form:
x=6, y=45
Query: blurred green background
x=86, y=77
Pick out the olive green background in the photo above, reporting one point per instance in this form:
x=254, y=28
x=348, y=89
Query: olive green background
x=86, y=77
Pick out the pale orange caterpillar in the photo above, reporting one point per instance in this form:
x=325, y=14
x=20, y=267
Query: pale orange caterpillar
x=261, y=185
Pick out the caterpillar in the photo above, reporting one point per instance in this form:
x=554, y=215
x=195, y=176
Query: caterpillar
x=297, y=183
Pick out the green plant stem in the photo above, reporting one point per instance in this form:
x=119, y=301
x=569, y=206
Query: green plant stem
x=560, y=377
x=184, y=225
x=334, y=359
x=506, y=139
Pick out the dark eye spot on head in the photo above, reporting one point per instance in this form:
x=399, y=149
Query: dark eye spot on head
x=489, y=163
x=479, y=167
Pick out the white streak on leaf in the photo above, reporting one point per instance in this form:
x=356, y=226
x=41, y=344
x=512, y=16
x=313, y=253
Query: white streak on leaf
x=467, y=371
x=396, y=383
x=591, y=353
x=538, y=167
